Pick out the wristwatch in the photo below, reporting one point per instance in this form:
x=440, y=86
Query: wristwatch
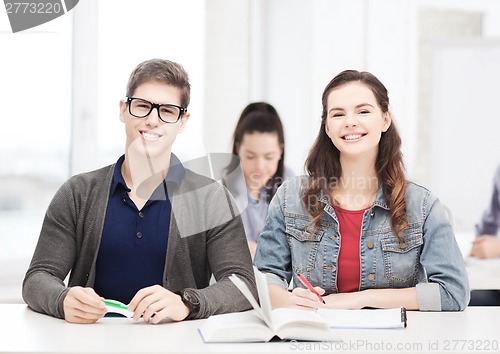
x=190, y=299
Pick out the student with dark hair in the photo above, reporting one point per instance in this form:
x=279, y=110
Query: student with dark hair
x=355, y=227
x=145, y=231
x=487, y=244
x=259, y=143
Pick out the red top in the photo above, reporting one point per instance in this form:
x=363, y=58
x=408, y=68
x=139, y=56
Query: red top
x=348, y=267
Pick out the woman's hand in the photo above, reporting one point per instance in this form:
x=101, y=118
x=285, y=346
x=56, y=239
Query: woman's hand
x=156, y=303
x=349, y=301
x=376, y=298
x=83, y=305
x=298, y=298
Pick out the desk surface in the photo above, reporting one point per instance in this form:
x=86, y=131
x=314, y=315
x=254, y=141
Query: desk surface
x=483, y=273
x=476, y=330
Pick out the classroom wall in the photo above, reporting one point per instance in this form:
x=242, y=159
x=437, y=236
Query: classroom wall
x=303, y=44
x=464, y=138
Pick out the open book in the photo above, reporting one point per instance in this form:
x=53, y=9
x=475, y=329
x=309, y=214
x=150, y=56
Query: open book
x=263, y=323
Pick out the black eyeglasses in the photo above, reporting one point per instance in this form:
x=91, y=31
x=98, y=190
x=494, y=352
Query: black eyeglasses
x=168, y=113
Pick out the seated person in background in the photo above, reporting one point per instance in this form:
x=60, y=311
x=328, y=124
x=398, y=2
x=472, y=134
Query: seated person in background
x=259, y=142
x=145, y=231
x=487, y=243
x=355, y=227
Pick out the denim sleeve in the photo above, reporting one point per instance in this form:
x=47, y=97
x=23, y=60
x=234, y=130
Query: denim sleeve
x=490, y=221
x=273, y=252
x=447, y=280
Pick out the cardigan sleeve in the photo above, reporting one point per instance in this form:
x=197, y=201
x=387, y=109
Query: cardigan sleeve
x=207, y=237
x=68, y=241
x=43, y=286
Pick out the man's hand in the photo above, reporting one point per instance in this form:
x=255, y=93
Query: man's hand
x=486, y=246
x=155, y=303
x=83, y=305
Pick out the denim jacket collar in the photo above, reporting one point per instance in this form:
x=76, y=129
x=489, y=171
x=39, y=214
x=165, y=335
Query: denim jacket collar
x=379, y=199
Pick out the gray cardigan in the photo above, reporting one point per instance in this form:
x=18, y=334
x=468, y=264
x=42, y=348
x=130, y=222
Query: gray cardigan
x=206, y=236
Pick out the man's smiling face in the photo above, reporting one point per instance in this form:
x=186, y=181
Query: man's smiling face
x=150, y=135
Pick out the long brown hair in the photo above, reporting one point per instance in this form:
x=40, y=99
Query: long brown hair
x=323, y=162
x=262, y=117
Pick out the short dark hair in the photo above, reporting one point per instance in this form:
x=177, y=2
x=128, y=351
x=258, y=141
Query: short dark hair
x=164, y=71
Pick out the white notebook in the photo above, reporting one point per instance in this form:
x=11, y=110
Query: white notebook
x=365, y=318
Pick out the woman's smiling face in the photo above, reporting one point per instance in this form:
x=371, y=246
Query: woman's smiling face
x=355, y=121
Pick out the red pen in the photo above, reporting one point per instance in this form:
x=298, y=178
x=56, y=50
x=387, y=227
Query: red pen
x=308, y=285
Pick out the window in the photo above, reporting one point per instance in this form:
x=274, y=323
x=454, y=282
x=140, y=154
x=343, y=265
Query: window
x=131, y=32
x=34, y=138
x=40, y=74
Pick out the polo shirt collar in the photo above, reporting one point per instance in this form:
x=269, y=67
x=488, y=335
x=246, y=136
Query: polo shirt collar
x=173, y=179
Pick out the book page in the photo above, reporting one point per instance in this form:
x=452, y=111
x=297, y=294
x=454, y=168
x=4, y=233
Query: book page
x=266, y=317
x=263, y=292
x=298, y=317
x=308, y=323
x=301, y=324
x=265, y=309
x=235, y=327
x=287, y=323
x=365, y=318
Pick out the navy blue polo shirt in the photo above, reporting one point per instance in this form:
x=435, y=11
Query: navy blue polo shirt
x=134, y=242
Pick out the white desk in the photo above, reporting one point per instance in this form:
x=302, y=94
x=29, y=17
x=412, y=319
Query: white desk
x=476, y=330
x=484, y=274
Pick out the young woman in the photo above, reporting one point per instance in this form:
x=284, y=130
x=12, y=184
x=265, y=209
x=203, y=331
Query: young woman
x=361, y=233
x=259, y=143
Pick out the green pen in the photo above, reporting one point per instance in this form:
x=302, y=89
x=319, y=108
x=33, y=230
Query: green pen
x=118, y=307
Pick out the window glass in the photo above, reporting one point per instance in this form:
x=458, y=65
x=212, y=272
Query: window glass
x=35, y=102
x=35, y=111
x=131, y=32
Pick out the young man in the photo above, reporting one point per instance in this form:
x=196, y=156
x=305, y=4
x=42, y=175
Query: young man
x=144, y=231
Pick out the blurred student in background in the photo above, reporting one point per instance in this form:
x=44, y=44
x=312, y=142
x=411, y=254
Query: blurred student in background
x=487, y=243
x=259, y=142
x=355, y=227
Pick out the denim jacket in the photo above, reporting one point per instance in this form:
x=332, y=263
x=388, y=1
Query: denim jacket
x=429, y=257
